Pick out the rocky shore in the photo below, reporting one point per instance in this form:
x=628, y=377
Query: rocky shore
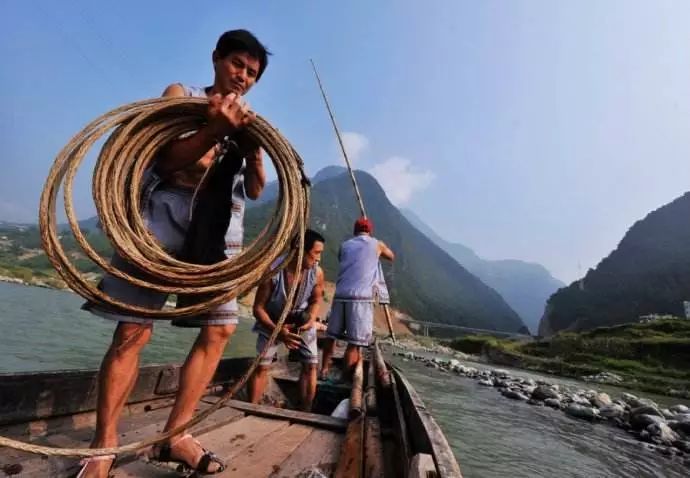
x=666, y=430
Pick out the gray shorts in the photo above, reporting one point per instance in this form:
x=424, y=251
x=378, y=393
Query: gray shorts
x=308, y=351
x=351, y=321
x=167, y=216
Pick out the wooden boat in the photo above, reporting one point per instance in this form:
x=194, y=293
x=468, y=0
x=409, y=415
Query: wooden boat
x=389, y=432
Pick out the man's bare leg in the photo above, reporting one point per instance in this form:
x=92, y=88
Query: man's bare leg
x=352, y=354
x=327, y=355
x=116, y=379
x=257, y=383
x=195, y=375
x=307, y=386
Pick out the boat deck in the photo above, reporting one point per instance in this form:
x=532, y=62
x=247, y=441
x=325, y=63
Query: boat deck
x=254, y=440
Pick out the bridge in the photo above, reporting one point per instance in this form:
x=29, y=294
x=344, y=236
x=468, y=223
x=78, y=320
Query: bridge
x=425, y=326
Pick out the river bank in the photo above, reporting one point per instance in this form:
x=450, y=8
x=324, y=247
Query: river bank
x=661, y=425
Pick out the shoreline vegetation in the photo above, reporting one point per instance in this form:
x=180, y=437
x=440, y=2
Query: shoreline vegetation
x=650, y=357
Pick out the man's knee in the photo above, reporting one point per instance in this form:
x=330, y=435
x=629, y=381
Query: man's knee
x=309, y=368
x=131, y=337
x=218, y=334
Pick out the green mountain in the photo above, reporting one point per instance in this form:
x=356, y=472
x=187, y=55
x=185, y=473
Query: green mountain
x=648, y=273
x=424, y=281
x=525, y=286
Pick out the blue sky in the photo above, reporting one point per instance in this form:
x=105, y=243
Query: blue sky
x=532, y=130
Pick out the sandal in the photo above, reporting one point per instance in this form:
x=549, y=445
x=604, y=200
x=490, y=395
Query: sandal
x=85, y=462
x=163, y=455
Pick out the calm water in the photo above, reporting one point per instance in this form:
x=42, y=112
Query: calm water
x=491, y=436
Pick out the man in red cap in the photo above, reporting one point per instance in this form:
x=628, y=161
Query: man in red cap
x=352, y=314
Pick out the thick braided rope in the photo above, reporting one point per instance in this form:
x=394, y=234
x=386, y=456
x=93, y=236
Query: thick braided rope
x=140, y=129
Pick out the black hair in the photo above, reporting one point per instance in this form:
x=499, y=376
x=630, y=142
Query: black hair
x=243, y=40
x=310, y=237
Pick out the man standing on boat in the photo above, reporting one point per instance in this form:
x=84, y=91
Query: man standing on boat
x=299, y=331
x=352, y=313
x=239, y=60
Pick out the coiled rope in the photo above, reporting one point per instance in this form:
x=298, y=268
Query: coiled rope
x=138, y=131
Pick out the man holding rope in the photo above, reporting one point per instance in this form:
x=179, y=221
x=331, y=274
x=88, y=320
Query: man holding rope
x=239, y=60
x=352, y=313
x=299, y=331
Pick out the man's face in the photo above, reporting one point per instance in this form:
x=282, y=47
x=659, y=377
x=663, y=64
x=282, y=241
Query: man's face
x=236, y=73
x=313, y=255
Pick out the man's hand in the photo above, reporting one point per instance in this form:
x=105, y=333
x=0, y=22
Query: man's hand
x=227, y=114
x=308, y=326
x=291, y=340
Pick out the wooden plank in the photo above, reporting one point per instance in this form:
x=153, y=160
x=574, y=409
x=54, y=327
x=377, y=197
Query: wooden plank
x=370, y=394
x=422, y=466
x=294, y=416
x=350, y=460
x=133, y=428
x=373, y=449
x=356, y=404
x=265, y=457
x=381, y=370
x=228, y=442
x=319, y=451
x=446, y=464
x=36, y=395
x=401, y=428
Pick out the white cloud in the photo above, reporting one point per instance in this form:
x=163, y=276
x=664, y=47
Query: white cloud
x=400, y=180
x=355, y=145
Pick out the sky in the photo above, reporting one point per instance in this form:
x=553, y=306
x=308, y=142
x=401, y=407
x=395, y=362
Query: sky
x=532, y=130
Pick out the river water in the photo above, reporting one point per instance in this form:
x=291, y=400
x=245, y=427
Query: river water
x=491, y=436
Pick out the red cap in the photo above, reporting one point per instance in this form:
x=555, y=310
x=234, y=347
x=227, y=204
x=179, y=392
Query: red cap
x=363, y=225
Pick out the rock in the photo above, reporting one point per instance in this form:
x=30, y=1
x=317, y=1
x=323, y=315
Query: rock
x=552, y=402
x=486, y=382
x=680, y=426
x=663, y=433
x=603, y=377
x=580, y=411
x=453, y=363
x=630, y=399
x=682, y=417
x=645, y=410
x=580, y=400
x=537, y=403
x=600, y=400
x=500, y=373
x=542, y=392
x=528, y=389
x=611, y=411
x=514, y=394
x=682, y=445
x=639, y=422
x=679, y=409
x=667, y=414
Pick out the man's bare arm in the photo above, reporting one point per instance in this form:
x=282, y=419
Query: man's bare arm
x=315, y=300
x=225, y=116
x=254, y=174
x=263, y=293
x=385, y=251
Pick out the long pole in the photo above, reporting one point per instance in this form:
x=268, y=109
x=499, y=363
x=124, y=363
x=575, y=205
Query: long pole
x=352, y=178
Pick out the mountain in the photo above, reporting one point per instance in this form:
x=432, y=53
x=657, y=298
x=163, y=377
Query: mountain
x=648, y=273
x=424, y=280
x=525, y=286
x=270, y=192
